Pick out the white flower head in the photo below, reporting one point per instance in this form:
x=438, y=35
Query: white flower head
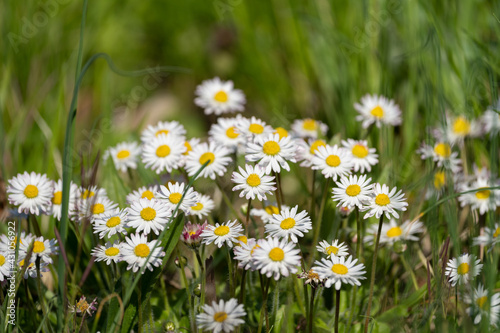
x=489, y=238
x=42, y=248
x=244, y=253
x=308, y=128
x=111, y=223
x=363, y=157
x=95, y=207
x=377, y=110
x=352, y=191
x=110, y=252
x=271, y=152
x=136, y=249
x=149, y=193
x=125, y=155
x=171, y=196
x=443, y=155
x=203, y=206
x=306, y=151
x=216, y=156
x=148, y=215
x=483, y=306
x=222, y=233
x=340, y=270
x=219, y=97
x=463, y=269
x=393, y=232
x=483, y=200
x=289, y=224
x=267, y=211
x=335, y=248
x=222, y=316
x=32, y=192
x=163, y=153
x=276, y=258
x=253, y=183
x=225, y=133
x=56, y=201
x=253, y=128
x=167, y=128
x=5, y=269
x=385, y=202
x=333, y=161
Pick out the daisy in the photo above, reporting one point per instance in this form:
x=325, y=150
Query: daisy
x=307, y=150
x=253, y=183
x=148, y=215
x=222, y=317
x=56, y=201
x=442, y=154
x=136, y=249
x=111, y=223
x=172, y=196
x=225, y=133
x=84, y=198
x=457, y=129
x=483, y=200
x=222, y=233
x=32, y=192
x=216, y=156
x=219, y=97
x=125, y=155
x=149, y=193
x=384, y=202
x=353, y=191
x=289, y=224
x=90, y=193
x=244, y=253
x=482, y=305
x=191, y=234
x=109, y=252
x=283, y=133
x=271, y=152
x=334, y=249
x=267, y=212
x=42, y=248
x=339, y=270
x=363, y=157
x=276, y=258
x=173, y=128
x=311, y=278
x=491, y=120
x=463, y=269
x=203, y=206
x=438, y=185
x=332, y=161
x=4, y=266
x=163, y=153
x=96, y=207
x=253, y=128
x=31, y=270
x=7, y=244
x=189, y=144
x=379, y=110
x=308, y=128
x=392, y=232
x=490, y=237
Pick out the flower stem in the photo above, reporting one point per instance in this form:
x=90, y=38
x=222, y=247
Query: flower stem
x=360, y=239
x=186, y=285
x=337, y=311
x=202, y=277
x=247, y=220
x=374, y=266
x=310, y=320
x=263, y=310
x=278, y=191
x=231, y=276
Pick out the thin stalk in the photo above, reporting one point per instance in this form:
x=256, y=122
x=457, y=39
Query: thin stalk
x=410, y=270
x=278, y=191
x=374, y=266
x=186, y=285
x=312, y=210
x=263, y=310
x=360, y=238
x=310, y=319
x=139, y=305
x=241, y=299
x=228, y=201
x=202, y=277
x=249, y=207
x=231, y=276
x=317, y=228
x=337, y=311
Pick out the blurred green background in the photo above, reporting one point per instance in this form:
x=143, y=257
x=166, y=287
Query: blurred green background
x=292, y=58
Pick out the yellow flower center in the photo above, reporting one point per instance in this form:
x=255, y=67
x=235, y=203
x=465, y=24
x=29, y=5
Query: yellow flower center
x=31, y=191
x=231, y=133
x=38, y=247
x=377, y=112
x=123, y=154
x=312, y=275
x=461, y=126
x=57, y=199
x=82, y=305
x=192, y=233
x=315, y=145
x=443, y=150
x=147, y=194
x=2, y=260
x=97, y=208
x=463, y=268
x=163, y=151
x=382, y=199
x=148, y=214
x=439, y=179
x=309, y=125
x=221, y=96
x=333, y=161
x=287, y=223
x=113, y=222
x=175, y=198
x=271, y=148
x=481, y=301
x=283, y=133
x=21, y=264
x=271, y=209
x=142, y=250
x=112, y=251
x=276, y=254
x=256, y=128
x=394, y=232
x=353, y=190
x=360, y=151
x=188, y=147
x=497, y=232
x=208, y=156
x=339, y=269
x=483, y=195
x=222, y=230
x=87, y=194
x=253, y=180
x=162, y=131
x=332, y=250
x=198, y=206
x=243, y=239
x=220, y=317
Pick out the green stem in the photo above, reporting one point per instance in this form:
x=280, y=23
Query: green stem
x=186, y=285
x=317, y=228
x=249, y=207
x=278, y=191
x=410, y=270
x=360, y=238
x=139, y=305
x=202, y=277
x=241, y=299
x=337, y=311
x=310, y=320
x=231, y=276
x=263, y=310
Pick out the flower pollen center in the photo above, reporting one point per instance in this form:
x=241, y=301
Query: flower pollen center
x=276, y=254
x=481, y=301
x=353, y=190
x=220, y=317
x=461, y=126
x=230, y=133
x=283, y=133
x=377, y=112
x=443, y=150
x=496, y=233
x=222, y=230
x=315, y=145
x=2, y=260
x=339, y=269
x=394, y=232
x=221, y=96
x=207, y=157
x=483, y=194
x=142, y=250
x=271, y=148
x=198, y=206
x=112, y=251
x=123, y=154
x=163, y=151
x=463, y=268
x=148, y=214
x=332, y=250
x=382, y=199
x=309, y=125
x=31, y=191
x=162, y=131
x=147, y=194
x=175, y=198
x=359, y=151
x=256, y=128
x=253, y=180
x=287, y=223
x=113, y=222
x=333, y=161
x=243, y=239
x=57, y=199
x=439, y=179
x=271, y=210
x=97, y=208
x=38, y=247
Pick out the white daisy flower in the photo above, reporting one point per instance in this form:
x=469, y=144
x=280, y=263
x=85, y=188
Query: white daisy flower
x=4, y=265
x=483, y=200
x=308, y=128
x=491, y=120
x=96, y=207
x=203, y=206
x=90, y=193
x=167, y=128
x=31, y=271
x=244, y=253
x=222, y=233
x=221, y=317
x=457, y=129
x=267, y=212
x=109, y=252
x=384, y=202
x=352, y=191
x=392, y=232
x=136, y=249
x=271, y=152
x=125, y=155
x=489, y=238
x=377, y=110
x=42, y=248
x=363, y=157
x=483, y=306
x=443, y=155
x=276, y=258
x=217, y=156
x=225, y=133
x=219, y=97
x=333, y=249
x=332, y=161
x=84, y=198
x=56, y=201
x=438, y=185
x=172, y=195
x=189, y=144
x=163, y=153
x=253, y=128
x=32, y=192
x=307, y=150
x=463, y=269
x=253, y=183
x=148, y=215
x=289, y=224
x=111, y=223
x=340, y=270
x=283, y=133
x=149, y=193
